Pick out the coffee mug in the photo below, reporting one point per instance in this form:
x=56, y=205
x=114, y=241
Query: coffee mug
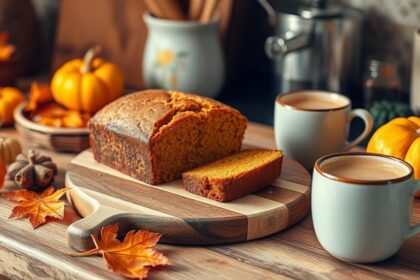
x=361, y=205
x=309, y=124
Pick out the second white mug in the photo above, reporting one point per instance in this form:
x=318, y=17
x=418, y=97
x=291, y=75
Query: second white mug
x=309, y=124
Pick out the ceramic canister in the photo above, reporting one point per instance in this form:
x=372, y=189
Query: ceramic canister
x=183, y=55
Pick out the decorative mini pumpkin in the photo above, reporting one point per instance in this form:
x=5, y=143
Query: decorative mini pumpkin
x=9, y=149
x=33, y=171
x=9, y=98
x=87, y=85
x=399, y=138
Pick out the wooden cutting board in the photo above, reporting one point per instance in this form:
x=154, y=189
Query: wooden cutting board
x=103, y=195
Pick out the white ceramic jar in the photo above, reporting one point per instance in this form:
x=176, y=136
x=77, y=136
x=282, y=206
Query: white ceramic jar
x=183, y=55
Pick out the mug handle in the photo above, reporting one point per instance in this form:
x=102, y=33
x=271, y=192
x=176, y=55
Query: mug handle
x=415, y=229
x=367, y=119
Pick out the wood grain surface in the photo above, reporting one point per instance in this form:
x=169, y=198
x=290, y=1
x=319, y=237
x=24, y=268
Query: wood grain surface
x=182, y=217
x=291, y=254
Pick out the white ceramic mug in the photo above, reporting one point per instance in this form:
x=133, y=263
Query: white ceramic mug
x=307, y=134
x=362, y=220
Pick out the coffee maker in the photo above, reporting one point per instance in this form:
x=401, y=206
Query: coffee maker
x=316, y=45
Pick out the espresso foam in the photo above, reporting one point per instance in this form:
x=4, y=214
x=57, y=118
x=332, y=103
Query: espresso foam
x=314, y=101
x=368, y=168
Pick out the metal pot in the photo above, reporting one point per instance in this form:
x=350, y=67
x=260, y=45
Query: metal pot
x=315, y=46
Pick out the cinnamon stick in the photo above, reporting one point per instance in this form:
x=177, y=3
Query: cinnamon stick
x=208, y=10
x=167, y=9
x=195, y=9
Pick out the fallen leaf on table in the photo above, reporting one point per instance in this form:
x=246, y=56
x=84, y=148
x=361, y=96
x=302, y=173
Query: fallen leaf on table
x=37, y=207
x=39, y=94
x=132, y=257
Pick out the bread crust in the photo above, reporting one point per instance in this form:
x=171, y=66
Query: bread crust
x=123, y=133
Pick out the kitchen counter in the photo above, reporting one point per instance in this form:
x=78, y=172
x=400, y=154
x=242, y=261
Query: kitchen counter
x=293, y=253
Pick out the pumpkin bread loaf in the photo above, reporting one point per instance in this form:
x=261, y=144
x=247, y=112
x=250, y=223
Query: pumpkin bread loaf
x=155, y=135
x=234, y=176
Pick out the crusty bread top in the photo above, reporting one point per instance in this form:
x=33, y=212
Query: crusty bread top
x=140, y=115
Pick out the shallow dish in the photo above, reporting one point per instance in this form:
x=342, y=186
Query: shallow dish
x=52, y=138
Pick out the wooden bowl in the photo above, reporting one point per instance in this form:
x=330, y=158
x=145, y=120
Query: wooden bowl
x=56, y=139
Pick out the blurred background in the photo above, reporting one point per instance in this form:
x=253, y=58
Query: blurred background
x=49, y=32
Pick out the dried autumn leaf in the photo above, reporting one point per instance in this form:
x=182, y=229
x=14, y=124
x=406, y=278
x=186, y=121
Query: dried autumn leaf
x=39, y=94
x=37, y=207
x=75, y=119
x=132, y=257
x=6, y=50
x=56, y=116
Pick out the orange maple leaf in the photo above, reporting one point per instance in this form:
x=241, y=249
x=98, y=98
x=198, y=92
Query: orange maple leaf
x=37, y=207
x=132, y=257
x=39, y=94
x=6, y=50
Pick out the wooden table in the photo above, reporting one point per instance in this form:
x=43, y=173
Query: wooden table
x=294, y=253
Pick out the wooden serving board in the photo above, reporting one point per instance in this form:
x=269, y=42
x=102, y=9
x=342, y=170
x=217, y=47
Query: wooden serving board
x=103, y=195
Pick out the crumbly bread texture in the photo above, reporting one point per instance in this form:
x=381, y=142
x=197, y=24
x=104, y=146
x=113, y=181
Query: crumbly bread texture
x=155, y=135
x=234, y=176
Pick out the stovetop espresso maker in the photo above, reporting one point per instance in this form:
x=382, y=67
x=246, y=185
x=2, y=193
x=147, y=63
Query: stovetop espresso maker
x=316, y=45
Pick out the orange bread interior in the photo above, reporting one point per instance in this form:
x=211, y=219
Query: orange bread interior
x=235, y=175
x=236, y=164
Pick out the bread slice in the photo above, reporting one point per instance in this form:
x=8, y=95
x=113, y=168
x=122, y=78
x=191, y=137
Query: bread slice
x=234, y=176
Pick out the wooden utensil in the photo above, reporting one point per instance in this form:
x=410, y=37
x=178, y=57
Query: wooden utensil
x=208, y=10
x=195, y=9
x=103, y=195
x=167, y=9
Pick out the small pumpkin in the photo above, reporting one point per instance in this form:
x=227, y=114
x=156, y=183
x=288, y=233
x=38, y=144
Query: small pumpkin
x=399, y=138
x=32, y=170
x=9, y=149
x=87, y=84
x=9, y=98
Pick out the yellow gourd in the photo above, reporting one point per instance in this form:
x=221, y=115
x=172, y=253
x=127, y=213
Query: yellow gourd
x=87, y=84
x=399, y=138
x=9, y=150
x=9, y=98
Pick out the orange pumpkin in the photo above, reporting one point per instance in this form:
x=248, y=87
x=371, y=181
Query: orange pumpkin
x=399, y=138
x=87, y=85
x=9, y=149
x=9, y=98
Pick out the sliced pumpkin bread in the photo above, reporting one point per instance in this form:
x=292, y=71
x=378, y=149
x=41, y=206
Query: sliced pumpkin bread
x=234, y=176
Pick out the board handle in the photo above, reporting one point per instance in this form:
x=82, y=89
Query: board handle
x=79, y=233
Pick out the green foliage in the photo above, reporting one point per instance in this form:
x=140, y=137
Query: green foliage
x=384, y=111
